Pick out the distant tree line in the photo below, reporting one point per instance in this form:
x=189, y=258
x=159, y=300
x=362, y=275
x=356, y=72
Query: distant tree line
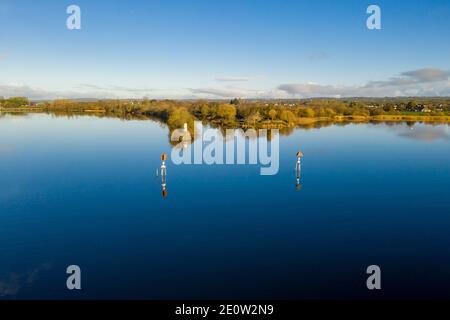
x=243, y=112
x=14, y=102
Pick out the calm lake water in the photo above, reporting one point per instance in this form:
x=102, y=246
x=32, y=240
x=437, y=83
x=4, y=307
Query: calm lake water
x=83, y=190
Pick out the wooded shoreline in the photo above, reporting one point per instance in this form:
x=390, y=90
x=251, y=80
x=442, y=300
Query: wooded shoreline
x=247, y=113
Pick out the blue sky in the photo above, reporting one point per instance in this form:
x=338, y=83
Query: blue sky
x=224, y=49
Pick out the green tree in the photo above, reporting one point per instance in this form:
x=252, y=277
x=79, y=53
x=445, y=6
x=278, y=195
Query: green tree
x=411, y=106
x=178, y=117
x=360, y=112
x=306, y=113
x=253, y=117
x=330, y=112
x=376, y=112
x=288, y=116
x=226, y=112
x=272, y=114
x=204, y=110
x=16, y=102
x=235, y=101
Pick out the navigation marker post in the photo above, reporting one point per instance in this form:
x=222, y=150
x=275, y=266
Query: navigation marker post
x=298, y=169
x=163, y=174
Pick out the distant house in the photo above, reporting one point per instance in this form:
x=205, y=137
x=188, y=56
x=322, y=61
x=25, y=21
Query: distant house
x=425, y=109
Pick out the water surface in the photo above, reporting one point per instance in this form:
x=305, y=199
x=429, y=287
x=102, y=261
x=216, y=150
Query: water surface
x=83, y=190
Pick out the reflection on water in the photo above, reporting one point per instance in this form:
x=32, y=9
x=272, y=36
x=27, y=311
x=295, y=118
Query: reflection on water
x=164, y=186
x=11, y=283
x=428, y=133
x=298, y=168
x=163, y=174
x=82, y=190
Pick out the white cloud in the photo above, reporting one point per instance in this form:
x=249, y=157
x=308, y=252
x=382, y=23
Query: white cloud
x=312, y=90
x=318, y=56
x=116, y=88
x=237, y=78
x=229, y=92
x=420, y=82
x=12, y=90
x=36, y=93
x=412, y=77
x=89, y=91
x=427, y=75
